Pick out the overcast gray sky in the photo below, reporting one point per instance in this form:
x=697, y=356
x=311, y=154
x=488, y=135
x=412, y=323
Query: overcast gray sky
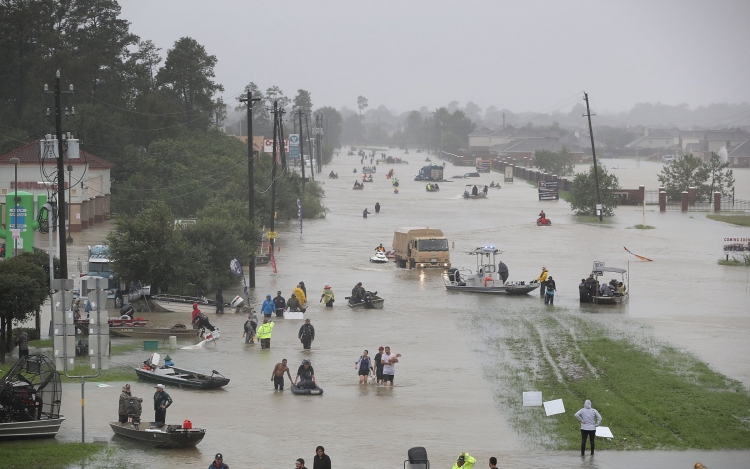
x=524, y=55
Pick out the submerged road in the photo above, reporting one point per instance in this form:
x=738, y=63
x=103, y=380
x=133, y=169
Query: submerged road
x=442, y=399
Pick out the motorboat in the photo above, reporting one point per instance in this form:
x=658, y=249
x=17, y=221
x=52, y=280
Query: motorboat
x=543, y=222
x=30, y=398
x=488, y=278
x=473, y=191
x=167, y=436
x=358, y=187
x=181, y=304
x=141, y=332
x=615, y=298
x=115, y=322
x=432, y=188
x=371, y=301
x=181, y=377
x=303, y=391
x=379, y=258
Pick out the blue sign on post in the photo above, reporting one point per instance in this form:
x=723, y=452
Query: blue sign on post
x=18, y=218
x=294, y=146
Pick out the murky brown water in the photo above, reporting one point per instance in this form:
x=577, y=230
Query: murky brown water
x=441, y=400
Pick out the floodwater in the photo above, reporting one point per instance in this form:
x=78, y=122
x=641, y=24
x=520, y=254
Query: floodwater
x=441, y=399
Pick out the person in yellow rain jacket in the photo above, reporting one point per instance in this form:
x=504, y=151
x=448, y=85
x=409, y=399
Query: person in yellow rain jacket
x=327, y=296
x=264, y=333
x=543, y=281
x=300, y=295
x=464, y=462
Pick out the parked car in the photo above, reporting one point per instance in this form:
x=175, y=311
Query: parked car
x=667, y=159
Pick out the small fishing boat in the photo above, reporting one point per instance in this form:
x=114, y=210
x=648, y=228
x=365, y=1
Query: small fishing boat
x=358, y=187
x=30, y=398
x=180, y=377
x=615, y=298
x=300, y=391
x=379, y=258
x=489, y=278
x=139, y=332
x=473, y=191
x=115, y=322
x=371, y=301
x=168, y=436
x=181, y=304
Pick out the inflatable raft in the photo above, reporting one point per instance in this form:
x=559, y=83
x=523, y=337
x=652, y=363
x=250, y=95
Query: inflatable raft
x=316, y=391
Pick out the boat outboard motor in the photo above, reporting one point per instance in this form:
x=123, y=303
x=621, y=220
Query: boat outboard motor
x=368, y=300
x=502, y=271
x=134, y=409
x=454, y=276
x=127, y=310
x=418, y=458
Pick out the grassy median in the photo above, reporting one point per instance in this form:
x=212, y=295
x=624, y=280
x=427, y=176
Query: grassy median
x=652, y=396
x=47, y=453
x=741, y=220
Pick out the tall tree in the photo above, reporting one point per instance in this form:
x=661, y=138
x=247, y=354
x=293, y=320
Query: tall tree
x=24, y=286
x=584, y=192
x=720, y=179
x=261, y=116
x=188, y=73
x=332, y=123
x=303, y=102
x=274, y=93
x=361, y=105
x=685, y=172
x=559, y=163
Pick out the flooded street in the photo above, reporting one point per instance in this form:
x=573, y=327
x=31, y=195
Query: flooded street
x=442, y=399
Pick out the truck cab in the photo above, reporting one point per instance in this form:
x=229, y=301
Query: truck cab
x=421, y=248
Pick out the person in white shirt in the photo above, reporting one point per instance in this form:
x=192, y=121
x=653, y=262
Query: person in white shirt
x=389, y=361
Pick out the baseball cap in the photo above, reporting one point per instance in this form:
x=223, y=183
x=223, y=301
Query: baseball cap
x=460, y=458
x=219, y=456
x=381, y=348
x=159, y=386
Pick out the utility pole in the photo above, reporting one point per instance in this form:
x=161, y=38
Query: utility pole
x=250, y=175
x=319, y=143
x=61, y=207
x=437, y=134
x=273, y=172
x=309, y=147
x=599, y=207
x=301, y=149
x=282, y=147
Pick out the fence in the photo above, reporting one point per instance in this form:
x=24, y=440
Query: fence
x=689, y=201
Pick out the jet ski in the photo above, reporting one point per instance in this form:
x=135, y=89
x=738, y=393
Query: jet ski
x=302, y=391
x=379, y=258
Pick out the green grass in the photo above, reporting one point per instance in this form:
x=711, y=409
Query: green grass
x=43, y=343
x=566, y=195
x=734, y=262
x=741, y=220
x=593, y=219
x=643, y=227
x=48, y=453
x=651, y=395
x=114, y=373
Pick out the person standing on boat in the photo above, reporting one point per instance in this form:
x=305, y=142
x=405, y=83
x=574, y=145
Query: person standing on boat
x=264, y=333
x=306, y=334
x=280, y=304
x=268, y=307
x=327, y=296
x=200, y=320
x=122, y=411
x=277, y=376
x=161, y=402
x=219, y=302
x=590, y=419
x=591, y=284
x=549, y=296
x=542, y=279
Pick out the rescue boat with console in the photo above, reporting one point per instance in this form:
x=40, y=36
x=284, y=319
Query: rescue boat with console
x=488, y=278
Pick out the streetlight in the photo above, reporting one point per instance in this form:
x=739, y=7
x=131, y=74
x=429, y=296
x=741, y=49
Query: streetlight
x=14, y=162
x=69, y=239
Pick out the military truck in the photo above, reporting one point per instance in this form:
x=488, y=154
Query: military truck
x=421, y=248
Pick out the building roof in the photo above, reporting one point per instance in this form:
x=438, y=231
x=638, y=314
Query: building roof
x=726, y=135
x=483, y=132
x=692, y=133
x=507, y=131
x=742, y=150
x=658, y=133
x=31, y=154
x=530, y=145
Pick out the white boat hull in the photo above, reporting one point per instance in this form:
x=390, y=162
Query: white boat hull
x=174, y=306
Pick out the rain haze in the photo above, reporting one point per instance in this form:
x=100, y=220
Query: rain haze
x=522, y=56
